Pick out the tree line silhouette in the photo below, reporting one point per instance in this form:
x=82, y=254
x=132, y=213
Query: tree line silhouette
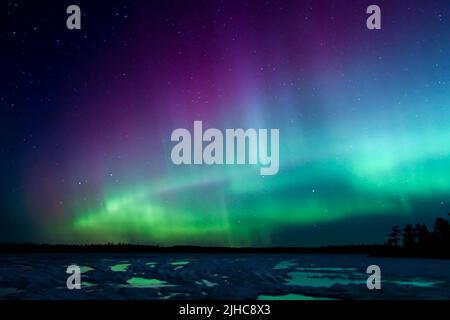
x=410, y=241
x=418, y=240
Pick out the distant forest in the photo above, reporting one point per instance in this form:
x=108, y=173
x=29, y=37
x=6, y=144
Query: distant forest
x=419, y=241
x=416, y=241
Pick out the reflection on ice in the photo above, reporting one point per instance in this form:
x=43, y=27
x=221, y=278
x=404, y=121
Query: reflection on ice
x=85, y=269
x=85, y=284
x=121, y=267
x=180, y=263
x=417, y=283
x=285, y=264
x=320, y=279
x=137, y=282
x=173, y=294
x=206, y=283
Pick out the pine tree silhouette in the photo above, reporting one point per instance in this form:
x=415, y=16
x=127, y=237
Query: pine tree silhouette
x=408, y=237
x=394, y=236
x=419, y=241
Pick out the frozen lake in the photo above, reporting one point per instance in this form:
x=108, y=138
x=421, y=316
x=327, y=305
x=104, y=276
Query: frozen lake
x=221, y=276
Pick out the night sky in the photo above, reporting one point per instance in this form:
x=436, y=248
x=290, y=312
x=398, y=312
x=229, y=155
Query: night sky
x=86, y=118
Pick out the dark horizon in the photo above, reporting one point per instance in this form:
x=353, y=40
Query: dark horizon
x=410, y=241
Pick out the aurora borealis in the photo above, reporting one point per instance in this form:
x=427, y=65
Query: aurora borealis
x=87, y=116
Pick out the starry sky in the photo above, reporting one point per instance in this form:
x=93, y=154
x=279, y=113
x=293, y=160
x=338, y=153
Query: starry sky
x=86, y=118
